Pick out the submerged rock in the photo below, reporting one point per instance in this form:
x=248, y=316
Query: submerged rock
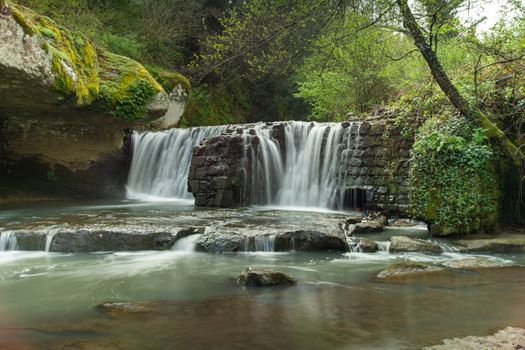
x=251, y=277
x=402, y=244
x=479, y=262
x=510, y=338
x=407, y=268
x=124, y=308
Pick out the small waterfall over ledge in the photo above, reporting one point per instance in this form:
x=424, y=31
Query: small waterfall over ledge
x=161, y=161
x=8, y=241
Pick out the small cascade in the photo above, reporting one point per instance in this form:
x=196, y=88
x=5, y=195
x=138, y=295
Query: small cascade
x=186, y=244
x=8, y=241
x=259, y=243
x=161, y=161
x=265, y=243
x=354, y=245
x=50, y=234
x=383, y=246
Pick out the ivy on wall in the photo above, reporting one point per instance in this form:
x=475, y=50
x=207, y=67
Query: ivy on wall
x=452, y=178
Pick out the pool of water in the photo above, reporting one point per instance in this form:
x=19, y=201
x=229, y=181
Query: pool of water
x=192, y=300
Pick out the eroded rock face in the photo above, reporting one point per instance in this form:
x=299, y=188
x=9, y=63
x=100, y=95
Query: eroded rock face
x=251, y=277
x=402, y=244
x=366, y=227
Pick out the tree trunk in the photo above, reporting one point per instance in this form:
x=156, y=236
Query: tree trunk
x=455, y=97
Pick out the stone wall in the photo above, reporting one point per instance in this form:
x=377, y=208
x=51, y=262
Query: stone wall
x=375, y=163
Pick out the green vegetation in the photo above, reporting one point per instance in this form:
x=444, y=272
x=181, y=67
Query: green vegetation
x=452, y=180
x=126, y=85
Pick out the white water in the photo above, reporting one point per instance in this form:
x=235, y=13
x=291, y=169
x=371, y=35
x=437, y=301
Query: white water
x=307, y=173
x=259, y=243
x=8, y=241
x=186, y=244
x=161, y=162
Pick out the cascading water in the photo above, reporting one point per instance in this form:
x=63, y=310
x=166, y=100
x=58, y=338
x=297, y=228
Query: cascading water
x=8, y=241
x=161, y=161
x=259, y=243
x=307, y=173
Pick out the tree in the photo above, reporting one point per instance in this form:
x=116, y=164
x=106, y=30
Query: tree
x=448, y=88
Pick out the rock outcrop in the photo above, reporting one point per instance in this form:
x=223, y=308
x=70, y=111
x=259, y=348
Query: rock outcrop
x=64, y=109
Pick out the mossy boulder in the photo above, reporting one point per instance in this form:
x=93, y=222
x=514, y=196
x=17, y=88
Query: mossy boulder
x=61, y=67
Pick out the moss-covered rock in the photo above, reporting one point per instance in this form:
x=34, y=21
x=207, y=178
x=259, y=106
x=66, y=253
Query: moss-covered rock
x=73, y=57
x=70, y=67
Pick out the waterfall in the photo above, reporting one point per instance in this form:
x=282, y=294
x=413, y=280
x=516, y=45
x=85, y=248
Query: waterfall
x=306, y=174
x=289, y=164
x=8, y=241
x=161, y=161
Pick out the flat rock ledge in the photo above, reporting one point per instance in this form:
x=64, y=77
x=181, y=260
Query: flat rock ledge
x=407, y=268
x=402, y=244
x=252, y=277
x=228, y=241
x=86, y=241
x=510, y=338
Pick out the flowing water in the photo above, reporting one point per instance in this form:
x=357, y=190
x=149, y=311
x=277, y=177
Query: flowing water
x=190, y=300
x=305, y=169
x=161, y=162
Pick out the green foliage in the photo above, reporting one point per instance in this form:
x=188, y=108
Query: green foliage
x=452, y=178
x=168, y=80
x=217, y=106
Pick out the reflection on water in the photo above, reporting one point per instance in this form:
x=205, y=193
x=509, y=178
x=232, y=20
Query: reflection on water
x=191, y=300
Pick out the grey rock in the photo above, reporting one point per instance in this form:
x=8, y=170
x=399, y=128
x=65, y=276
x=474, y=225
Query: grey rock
x=475, y=263
x=309, y=240
x=93, y=241
x=251, y=277
x=366, y=227
x=402, y=244
x=363, y=245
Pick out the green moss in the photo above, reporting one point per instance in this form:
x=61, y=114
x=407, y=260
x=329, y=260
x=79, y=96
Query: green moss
x=452, y=177
x=169, y=80
x=122, y=84
x=73, y=57
x=126, y=86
